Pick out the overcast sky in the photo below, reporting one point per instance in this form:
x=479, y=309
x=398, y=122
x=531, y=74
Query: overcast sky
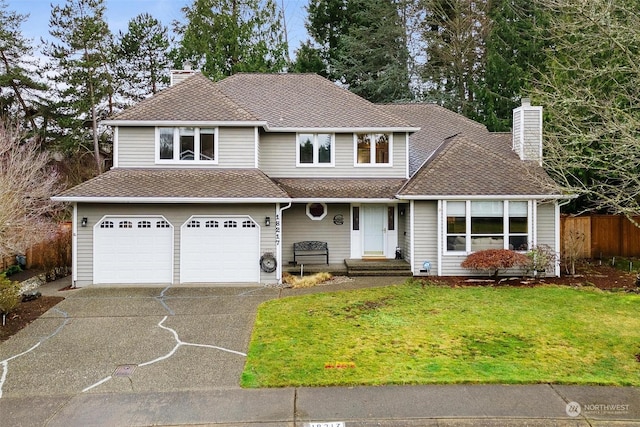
x=119, y=12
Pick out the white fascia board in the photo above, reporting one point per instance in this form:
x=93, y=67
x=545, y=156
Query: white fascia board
x=343, y=130
x=164, y=200
x=343, y=200
x=184, y=123
x=490, y=197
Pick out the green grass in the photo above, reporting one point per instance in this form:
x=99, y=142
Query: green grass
x=436, y=335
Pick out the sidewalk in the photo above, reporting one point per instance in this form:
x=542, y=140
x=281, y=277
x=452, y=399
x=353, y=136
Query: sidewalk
x=457, y=405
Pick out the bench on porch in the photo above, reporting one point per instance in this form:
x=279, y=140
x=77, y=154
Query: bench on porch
x=310, y=248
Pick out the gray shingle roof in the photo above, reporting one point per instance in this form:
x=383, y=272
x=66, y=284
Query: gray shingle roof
x=305, y=101
x=436, y=123
x=178, y=183
x=341, y=188
x=195, y=99
x=481, y=166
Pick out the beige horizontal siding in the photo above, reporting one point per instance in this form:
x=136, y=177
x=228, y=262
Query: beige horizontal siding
x=278, y=159
x=425, y=236
x=298, y=227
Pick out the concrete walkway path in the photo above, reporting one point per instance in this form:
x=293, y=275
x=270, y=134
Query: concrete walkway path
x=174, y=356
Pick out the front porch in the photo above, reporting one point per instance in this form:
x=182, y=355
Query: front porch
x=355, y=267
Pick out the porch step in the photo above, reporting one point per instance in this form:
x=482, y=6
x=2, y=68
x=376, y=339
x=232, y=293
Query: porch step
x=386, y=267
x=372, y=273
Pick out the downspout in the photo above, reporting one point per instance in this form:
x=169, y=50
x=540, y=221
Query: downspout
x=557, y=221
x=74, y=247
x=279, y=229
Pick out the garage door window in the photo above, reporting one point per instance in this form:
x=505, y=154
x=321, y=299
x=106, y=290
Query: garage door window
x=144, y=224
x=230, y=224
x=125, y=224
x=248, y=224
x=193, y=224
x=106, y=224
x=211, y=224
x=162, y=224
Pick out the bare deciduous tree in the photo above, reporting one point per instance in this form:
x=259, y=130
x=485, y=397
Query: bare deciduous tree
x=591, y=95
x=26, y=184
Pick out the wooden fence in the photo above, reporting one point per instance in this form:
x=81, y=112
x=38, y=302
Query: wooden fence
x=600, y=236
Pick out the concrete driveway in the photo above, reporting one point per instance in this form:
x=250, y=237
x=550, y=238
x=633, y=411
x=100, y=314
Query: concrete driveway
x=103, y=340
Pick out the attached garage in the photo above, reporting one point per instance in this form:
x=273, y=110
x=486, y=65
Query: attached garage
x=220, y=249
x=136, y=249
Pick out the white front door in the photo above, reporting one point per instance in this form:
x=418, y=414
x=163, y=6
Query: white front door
x=374, y=218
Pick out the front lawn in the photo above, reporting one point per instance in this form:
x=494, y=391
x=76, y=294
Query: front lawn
x=435, y=335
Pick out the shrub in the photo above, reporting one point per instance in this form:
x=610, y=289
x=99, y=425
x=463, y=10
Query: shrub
x=494, y=260
x=541, y=259
x=9, y=295
x=305, y=282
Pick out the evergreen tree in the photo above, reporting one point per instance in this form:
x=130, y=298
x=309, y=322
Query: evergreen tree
x=454, y=33
x=142, y=58
x=515, y=54
x=372, y=57
x=81, y=62
x=19, y=85
x=223, y=37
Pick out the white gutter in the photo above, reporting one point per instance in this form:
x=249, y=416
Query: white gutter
x=344, y=200
x=488, y=197
x=342, y=130
x=193, y=123
x=165, y=200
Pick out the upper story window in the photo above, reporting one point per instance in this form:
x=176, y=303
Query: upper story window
x=373, y=149
x=186, y=145
x=478, y=225
x=315, y=149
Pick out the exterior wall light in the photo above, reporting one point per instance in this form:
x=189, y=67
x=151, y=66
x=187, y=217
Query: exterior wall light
x=267, y=221
x=84, y=221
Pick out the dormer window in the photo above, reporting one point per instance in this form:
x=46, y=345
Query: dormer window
x=186, y=145
x=315, y=149
x=373, y=149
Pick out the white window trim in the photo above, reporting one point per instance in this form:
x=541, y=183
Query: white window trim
x=176, y=147
x=316, y=218
x=505, y=231
x=316, y=163
x=373, y=163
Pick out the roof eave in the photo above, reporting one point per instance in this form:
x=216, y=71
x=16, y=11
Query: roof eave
x=169, y=200
x=217, y=123
x=341, y=129
x=487, y=197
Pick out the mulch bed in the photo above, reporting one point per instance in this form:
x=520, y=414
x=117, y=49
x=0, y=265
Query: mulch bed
x=26, y=313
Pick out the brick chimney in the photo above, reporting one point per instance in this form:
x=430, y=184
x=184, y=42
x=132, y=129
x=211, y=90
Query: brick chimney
x=179, y=75
x=527, y=131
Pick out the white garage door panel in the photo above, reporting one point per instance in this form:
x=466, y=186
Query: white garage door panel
x=141, y=253
x=219, y=254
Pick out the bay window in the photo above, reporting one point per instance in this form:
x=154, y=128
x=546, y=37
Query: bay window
x=478, y=225
x=186, y=145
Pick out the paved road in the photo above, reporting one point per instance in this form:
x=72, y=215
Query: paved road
x=174, y=356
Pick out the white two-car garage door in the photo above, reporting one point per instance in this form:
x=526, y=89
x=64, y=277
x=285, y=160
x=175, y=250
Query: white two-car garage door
x=133, y=250
x=219, y=249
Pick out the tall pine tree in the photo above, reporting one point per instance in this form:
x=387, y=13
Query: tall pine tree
x=142, y=59
x=223, y=37
x=81, y=60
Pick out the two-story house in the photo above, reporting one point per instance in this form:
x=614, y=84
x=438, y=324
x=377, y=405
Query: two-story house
x=214, y=182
